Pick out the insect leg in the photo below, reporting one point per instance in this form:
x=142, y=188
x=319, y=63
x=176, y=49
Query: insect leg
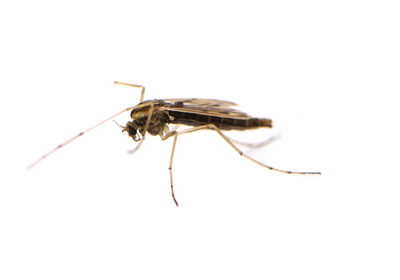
x=132, y=85
x=170, y=169
x=149, y=115
x=212, y=126
x=168, y=133
x=137, y=146
x=175, y=127
x=146, y=127
x=75, y=137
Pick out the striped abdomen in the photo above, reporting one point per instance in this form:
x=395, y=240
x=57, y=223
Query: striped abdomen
x=224, y=123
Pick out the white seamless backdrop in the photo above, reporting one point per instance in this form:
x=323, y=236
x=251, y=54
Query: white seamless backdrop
x=325, y=72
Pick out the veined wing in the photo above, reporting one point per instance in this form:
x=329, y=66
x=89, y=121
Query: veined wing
x=211, y=107
x=200, y=102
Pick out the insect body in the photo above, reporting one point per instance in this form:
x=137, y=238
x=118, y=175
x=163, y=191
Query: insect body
x=190, y=112
x=155, y=116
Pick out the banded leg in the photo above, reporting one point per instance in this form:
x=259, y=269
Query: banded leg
x=170, y=169
x=132, y=85
x=94, y=126
x=213, y=127
x=75, y=137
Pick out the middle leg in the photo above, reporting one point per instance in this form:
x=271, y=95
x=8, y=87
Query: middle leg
x=170, y=169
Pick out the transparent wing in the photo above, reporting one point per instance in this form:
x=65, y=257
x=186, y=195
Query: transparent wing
x=212, y=107
x=201, y=102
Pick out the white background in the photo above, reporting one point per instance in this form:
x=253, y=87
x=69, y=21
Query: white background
x=326, y=72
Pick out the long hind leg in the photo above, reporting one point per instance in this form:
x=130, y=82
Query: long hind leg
x=213, y=127
x=175, y=134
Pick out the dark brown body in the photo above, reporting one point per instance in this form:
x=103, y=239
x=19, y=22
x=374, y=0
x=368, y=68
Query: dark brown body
x=190, y=112
x=224, y=123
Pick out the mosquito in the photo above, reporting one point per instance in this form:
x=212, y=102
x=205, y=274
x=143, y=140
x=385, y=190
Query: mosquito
x=154, y=116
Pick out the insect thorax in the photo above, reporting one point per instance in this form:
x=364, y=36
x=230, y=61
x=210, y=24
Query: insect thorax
x=138, y=124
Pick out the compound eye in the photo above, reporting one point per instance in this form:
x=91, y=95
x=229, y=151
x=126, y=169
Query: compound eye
x=132, y=131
